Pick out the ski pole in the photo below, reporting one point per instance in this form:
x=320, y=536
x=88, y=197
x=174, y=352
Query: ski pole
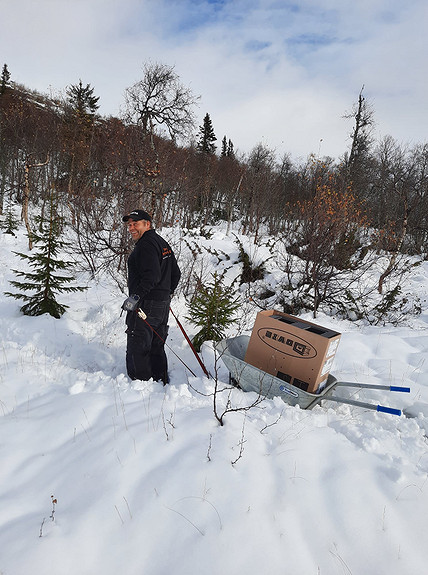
x=131, y=304
x=143, y=316
x=204, y=369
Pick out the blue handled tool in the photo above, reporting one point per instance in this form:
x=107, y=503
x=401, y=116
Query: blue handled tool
x=371, y=406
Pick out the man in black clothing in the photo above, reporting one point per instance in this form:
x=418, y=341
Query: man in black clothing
x=153, y=275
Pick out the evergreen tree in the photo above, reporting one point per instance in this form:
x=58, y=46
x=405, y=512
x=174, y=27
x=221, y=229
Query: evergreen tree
x=82, y=99
x=230, y=150
x=43, y=281
x=5, y=77
x=224, y=147
x=212, y=310
x=207, y=137
x=10, y=224
x=227, y=148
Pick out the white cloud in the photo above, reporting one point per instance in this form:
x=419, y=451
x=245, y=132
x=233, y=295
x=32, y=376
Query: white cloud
x=269, y=71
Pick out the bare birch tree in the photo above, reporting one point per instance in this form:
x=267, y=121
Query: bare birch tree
x=159, y=99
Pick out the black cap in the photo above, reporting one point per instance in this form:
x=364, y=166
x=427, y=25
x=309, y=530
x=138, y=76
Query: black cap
x=137, y=215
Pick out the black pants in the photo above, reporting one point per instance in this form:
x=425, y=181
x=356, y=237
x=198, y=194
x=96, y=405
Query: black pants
x=145, y=350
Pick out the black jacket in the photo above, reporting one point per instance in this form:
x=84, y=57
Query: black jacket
x=153, y=272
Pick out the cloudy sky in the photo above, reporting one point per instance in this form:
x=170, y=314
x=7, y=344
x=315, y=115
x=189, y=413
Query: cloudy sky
x=277, y=72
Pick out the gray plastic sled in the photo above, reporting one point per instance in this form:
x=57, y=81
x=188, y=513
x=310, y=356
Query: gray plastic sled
x=249, y=378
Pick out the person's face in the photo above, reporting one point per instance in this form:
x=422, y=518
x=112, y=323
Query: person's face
x=137, y=228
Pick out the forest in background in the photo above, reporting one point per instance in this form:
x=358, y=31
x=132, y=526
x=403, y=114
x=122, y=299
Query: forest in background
x=328, y=222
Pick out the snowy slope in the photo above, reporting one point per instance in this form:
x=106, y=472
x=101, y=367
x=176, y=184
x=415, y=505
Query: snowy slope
x=147, y=483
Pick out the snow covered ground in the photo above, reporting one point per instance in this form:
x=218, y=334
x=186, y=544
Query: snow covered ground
x=101, y=475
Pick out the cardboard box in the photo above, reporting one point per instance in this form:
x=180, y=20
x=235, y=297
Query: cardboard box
x=294, y=350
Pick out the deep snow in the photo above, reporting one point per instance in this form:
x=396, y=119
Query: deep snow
x=143, y=477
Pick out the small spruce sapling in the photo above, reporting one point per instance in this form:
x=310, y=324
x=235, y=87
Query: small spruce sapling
x=44, y=281
x=212, y=310
x=9, y=224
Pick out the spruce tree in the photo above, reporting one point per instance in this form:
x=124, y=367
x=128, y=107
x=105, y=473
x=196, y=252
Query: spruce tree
x=207, y=137
x=82, y=99
x=10, y=224
x=5, y=77
x=224, y=147
x=43, y=280
x=227, y=148
x=212, y=309
x=230, y=150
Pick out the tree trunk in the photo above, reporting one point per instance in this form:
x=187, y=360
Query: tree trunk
x=395, y=253
x=26, y=199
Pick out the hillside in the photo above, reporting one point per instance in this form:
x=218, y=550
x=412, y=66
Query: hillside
x=102, y=475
